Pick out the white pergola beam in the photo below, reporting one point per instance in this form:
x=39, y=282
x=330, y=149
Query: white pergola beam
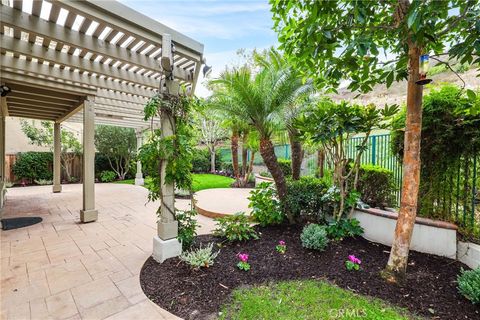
x=52, y=31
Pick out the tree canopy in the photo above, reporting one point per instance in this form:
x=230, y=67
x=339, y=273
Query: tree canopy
x=366, y=42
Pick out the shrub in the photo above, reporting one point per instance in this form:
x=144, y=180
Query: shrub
x=304, y=197
x=187, y=227
x=266, y=208
x=201, y=257
x=107, y=176
x=314, y=236
x=338, y=230
x=235, y=228
x=101, y=164
x=376, y=186
x=201, y=160
x=469, y=284
x=265, y=174
x=286, y=166
x=33, y=166
x=43, y=182
x=227, y=168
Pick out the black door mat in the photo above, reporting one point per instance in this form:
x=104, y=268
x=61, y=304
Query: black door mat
x=15, y=223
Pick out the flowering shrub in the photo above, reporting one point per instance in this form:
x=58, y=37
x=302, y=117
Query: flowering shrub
x=281, y=247
x=243, y=263
x=353, y=263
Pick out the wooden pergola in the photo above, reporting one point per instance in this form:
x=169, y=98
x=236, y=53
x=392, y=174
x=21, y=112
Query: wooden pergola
x=61, y=57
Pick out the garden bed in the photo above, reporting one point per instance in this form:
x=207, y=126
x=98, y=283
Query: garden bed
x=430, y=288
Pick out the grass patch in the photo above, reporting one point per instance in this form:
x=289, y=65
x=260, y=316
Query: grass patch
x=308, y=299
x=201, y=181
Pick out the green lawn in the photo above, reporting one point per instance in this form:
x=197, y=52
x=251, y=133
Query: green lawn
x=307, y=299
x=201, y=181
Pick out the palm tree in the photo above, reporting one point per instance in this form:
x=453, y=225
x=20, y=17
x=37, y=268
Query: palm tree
x=274, y=60
x=259, y=100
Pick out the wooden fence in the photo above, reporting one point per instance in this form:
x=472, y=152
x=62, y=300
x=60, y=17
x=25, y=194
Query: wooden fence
x=75, y=168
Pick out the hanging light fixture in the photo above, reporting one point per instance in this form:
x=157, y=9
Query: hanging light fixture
x=423, y=69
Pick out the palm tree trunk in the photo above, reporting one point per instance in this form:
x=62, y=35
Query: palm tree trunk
x=397, y=262
x=297, y=153
x=234, y=149
x=268, y=154
x=244, y=155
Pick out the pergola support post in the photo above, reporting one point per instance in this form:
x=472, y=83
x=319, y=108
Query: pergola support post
x=166, y=244
x=139, y=181
x=3, y=189
x=57, y=164
x=88, y=213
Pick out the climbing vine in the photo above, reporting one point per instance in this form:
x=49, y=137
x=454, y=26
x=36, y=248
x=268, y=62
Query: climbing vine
x=176, y=149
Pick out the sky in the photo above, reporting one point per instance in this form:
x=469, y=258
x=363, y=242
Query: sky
x=222, y=26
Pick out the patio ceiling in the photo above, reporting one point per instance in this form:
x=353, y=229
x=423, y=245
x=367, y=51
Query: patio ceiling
x=55, y=54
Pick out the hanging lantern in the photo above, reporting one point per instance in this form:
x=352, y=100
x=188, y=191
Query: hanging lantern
x=423, y=69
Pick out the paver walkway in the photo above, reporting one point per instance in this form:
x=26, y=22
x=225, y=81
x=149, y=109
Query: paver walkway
x=62, y=269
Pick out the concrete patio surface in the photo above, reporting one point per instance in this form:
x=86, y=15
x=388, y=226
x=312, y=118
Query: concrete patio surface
x=62, y=269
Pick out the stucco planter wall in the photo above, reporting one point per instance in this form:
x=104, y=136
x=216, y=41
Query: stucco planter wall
x=429, y=236
x=259, y=179
x=469, y=253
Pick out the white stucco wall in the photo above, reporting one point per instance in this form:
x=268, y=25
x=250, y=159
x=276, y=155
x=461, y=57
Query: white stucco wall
x=425, y=238
x=469, y=253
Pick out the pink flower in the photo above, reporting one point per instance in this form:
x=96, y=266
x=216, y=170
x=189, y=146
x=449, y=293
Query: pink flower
x=243, y=257
x=354, y=259
x=281, y=242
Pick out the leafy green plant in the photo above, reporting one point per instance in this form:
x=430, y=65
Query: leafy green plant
x=314, y=236
x=330, y=125
x=469, y=284
x=286, y=167
x=344, y=228
x=187, y=227
x=201, y=160
x=235, y=228
x=266, y=208
x=108, y=176
x=304, y=198
x=265, y=174
x=201, y=257
x=43, y=182
x=376, y=186
x=33, y=166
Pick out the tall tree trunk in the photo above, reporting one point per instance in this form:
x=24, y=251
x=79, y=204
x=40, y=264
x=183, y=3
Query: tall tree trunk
x=244, y=155
x=397, y=262
x=268, y=154
x=297, y=153
x=321, y=163
x=234, y=149
x=212, y=160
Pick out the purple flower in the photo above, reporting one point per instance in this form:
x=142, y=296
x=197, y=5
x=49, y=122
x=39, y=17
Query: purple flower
x=281, y=242
x=243, y=257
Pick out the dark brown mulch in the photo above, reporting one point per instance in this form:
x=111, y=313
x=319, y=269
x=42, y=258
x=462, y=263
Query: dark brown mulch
x=430, y=288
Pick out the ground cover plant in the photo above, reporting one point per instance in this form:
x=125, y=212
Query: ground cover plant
x=307, y=299
x=430, y=290
x=469, y=284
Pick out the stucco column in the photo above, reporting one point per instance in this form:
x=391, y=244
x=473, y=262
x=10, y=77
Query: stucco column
x=57, y=164
x=139, y=175
x=3, y=189
x=88, y=213
x=166, y=244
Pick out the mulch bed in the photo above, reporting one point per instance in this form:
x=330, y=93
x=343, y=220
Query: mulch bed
x=430, y=288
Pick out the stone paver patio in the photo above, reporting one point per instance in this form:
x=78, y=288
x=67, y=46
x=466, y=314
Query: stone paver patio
x=62, y=269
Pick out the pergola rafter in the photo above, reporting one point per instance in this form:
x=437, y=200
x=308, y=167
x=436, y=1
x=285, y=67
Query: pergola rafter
x=113, y=54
